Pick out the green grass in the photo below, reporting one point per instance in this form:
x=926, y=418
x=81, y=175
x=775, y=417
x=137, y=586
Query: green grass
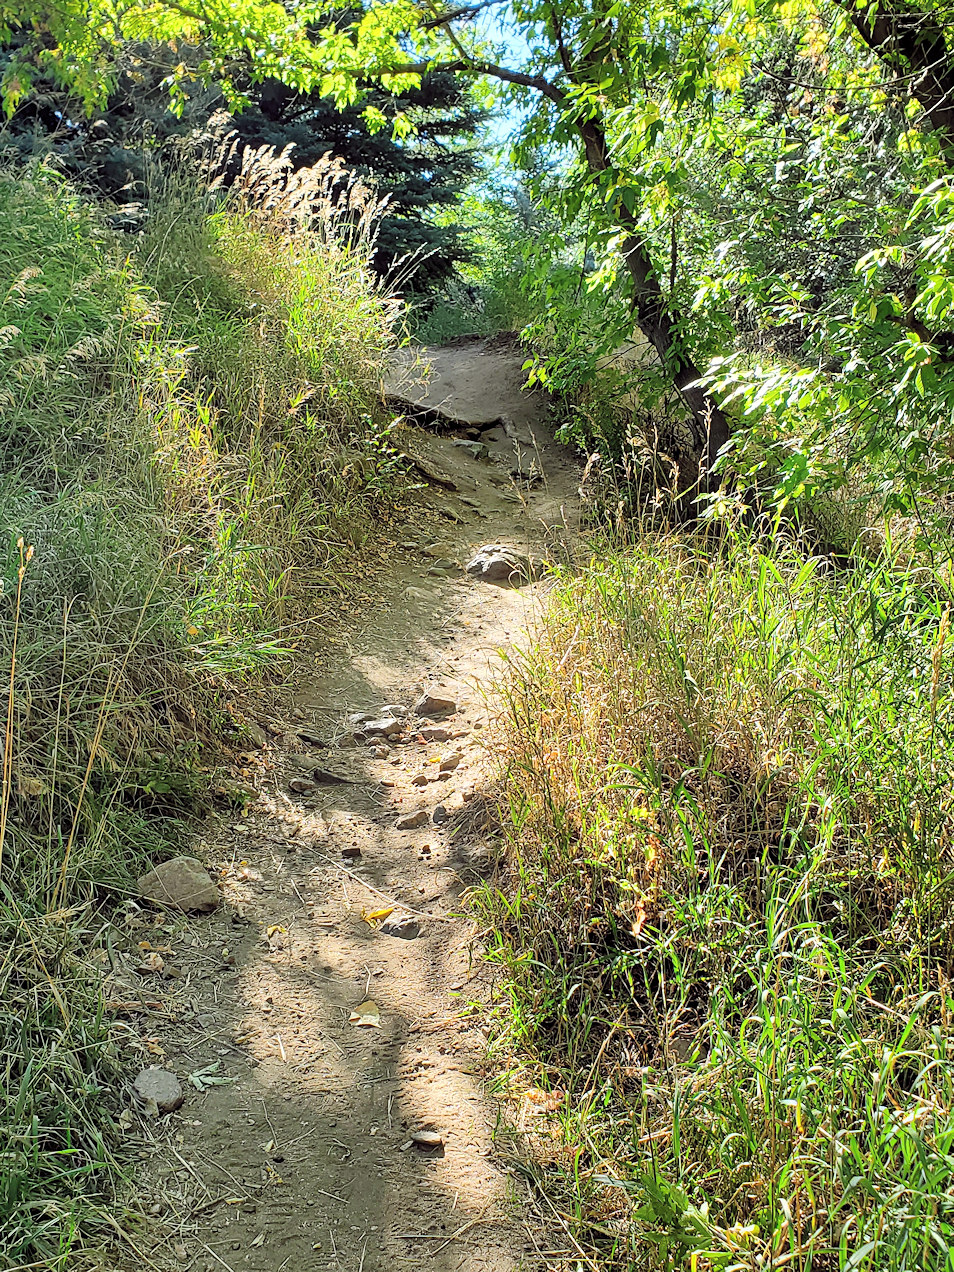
x=190, y=448
x=726, y=917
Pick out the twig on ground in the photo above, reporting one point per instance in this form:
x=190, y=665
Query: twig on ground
x=398, y=905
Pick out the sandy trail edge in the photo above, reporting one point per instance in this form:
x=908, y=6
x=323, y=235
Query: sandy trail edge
x=300, y=1161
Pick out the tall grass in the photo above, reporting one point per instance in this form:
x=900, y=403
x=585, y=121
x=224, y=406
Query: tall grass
x=726, y=919
x=190, y=449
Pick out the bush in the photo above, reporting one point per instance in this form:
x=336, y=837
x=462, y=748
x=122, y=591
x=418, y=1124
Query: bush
x=727, y=918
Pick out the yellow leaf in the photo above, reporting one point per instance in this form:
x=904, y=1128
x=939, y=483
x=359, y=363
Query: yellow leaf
x=374, y=918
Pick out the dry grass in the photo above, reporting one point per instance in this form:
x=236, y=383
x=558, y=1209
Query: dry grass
x=726, y=921
x=190, y=435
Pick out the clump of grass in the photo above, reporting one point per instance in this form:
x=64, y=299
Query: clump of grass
x=190, y=447
x=266, y=402
x=726, y=919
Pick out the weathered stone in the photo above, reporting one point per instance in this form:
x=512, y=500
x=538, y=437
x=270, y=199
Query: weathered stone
x=159, y=1089
x=403, y=925
x=440, y=815
x=497, y=563
x=258, y=735
x=432, y=704
x=411, y=821
x=182, y=883
x=308, y=764
x=432, y=733
x=450, y=762
x=428, y=1140
x=477, y=449
x=301, y=786
x=385, y=727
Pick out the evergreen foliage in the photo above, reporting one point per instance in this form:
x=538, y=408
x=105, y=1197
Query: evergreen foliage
x=116, y=151
x=420, y=174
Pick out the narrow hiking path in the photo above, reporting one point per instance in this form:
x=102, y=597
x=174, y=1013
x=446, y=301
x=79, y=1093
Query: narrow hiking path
x=299, y=1149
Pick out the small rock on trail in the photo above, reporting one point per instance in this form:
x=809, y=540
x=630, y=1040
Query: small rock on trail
x=412, y=820
x=434, y=705
x=159, y=1090
x=182, y=883
x=498, y=563
x=402, y=925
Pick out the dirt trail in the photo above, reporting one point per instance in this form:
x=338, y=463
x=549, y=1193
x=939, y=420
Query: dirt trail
x=303, y=1159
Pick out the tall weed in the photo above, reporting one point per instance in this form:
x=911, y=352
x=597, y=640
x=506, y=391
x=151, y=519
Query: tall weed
x=189, y=447
x=726, y=918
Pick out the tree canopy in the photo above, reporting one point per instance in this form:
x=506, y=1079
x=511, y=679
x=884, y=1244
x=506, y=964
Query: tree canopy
x=764, y=187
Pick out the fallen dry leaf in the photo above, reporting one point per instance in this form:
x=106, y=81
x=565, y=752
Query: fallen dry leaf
x=367, y=1013
x=374, y=918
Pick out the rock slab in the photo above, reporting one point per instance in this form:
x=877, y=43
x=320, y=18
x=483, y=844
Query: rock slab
x=182, y=883
x=432, y=704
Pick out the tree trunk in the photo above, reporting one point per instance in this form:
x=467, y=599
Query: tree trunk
x=656, y=320
x=911, y=42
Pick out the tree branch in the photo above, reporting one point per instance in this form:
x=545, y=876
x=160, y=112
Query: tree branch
x=471, y=67
x=912, y=42
x=452, y=15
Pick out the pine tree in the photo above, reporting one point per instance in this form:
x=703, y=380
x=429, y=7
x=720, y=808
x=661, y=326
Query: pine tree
x=421, y=173
x=111, y=152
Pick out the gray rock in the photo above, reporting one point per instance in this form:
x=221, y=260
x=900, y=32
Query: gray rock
x=308, y=764
x=403, y=925
x=385, y=727
x=432, y=704
x=159, y=1090
x=310, y=736
x=440, y=815
x=412, y=820
x=258, y=735
x=433, y=733
x=301, y=786
x=182, y=883
x=498, y=563
x=396, y=710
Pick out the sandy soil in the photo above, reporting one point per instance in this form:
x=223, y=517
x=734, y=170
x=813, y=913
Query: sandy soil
x=303, y=1157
